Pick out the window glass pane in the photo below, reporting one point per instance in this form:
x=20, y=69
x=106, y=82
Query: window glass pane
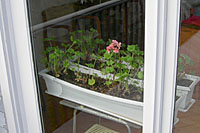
x=89, y=57
x=187, y=106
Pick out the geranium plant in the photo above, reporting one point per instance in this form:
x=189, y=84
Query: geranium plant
x=183, y=62
x=87, y=42
x=123, y=64
x=118, y=62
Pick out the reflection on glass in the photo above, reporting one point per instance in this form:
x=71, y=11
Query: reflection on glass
x=90, y=58
x=187, y=93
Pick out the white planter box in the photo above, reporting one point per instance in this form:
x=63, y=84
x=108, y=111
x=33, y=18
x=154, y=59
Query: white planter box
x=129, y=110
x=178, y=103
x=187, y=92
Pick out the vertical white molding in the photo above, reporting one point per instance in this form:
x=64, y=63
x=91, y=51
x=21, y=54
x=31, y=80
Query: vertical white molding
x=172, y=39
x=4, y=82
x=150, y=62
x=26, y=68
x=18, y=73
x=161, y=46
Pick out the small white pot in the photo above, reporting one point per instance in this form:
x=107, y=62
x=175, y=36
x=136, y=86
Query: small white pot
x=187, y=92
x=178, y=103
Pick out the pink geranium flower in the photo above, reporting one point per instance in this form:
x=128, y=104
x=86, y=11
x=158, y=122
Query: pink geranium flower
x=115, y=46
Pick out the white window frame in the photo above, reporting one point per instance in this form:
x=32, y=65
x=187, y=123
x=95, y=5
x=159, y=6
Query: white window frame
x=161, y=33
x=18, y=82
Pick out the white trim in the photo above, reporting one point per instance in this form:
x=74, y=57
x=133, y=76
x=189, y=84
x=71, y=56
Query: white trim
x=26, y=67
x=161, y=47
x=158, y=103
x=7, y=100
x=172, y=38
x=155, y=30
x=9, y=83
x=151, y=9
x=21, y=92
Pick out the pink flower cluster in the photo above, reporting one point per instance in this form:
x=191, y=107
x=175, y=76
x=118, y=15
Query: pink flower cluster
x=115, y=46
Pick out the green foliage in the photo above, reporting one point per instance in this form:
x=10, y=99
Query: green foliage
x=140, y=75
x=123, y=65
x=109, y=70
x=183, y=62
x=57, y=59
x=72, y=69
x=91, y=81
x=49, y=39
x=90, y=65
x=86, y=41
x=108, y=83
x=119, y=67
x=131, y=48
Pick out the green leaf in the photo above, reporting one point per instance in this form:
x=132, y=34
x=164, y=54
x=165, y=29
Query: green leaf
x=72, y=38
x=63, y=44
x=135, y=65
x=102, y=65
x=79, y=31
x=124, y=58
x=95, y=74
x=135, y=82
x=110, y=63
x=121, y=76
x=192, y=73
x=77, y=53
x=123, y=45
x=51, y=56
x=82, y=55
x=49, y=49
x=120, y=66
x=109, y=69
x=131, y=48
x=109, y=42
x=107, y=55
x=140, y=90
x=180, y=60
x=71, y=50
x=90, y=65
x=140, y=75
x=49, y=39
x=99, y=41
x=93, y=56
x=180, y=68
x=129, y=59
x=66, y=64
x=108, y=82
x=91, y=81
x=72, y=69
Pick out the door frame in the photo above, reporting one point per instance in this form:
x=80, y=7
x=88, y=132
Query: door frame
x=18, y=80
x=17, y=77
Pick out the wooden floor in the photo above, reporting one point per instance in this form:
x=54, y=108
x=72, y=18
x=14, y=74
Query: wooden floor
x=189, y=122
x=85, y=121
